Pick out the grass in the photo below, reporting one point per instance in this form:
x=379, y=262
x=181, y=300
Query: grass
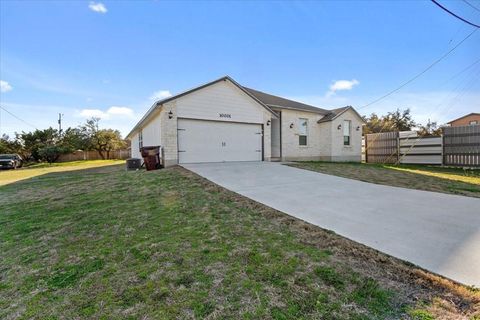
x=420, y=177
x=10, y=176
x=103, y=243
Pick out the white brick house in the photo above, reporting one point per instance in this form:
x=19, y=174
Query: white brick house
x=224, y=121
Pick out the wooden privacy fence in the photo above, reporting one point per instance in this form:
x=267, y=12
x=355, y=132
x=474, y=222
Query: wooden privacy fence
x=381, y=147
x=402, y=147
x=93, y=155
x=461, y=146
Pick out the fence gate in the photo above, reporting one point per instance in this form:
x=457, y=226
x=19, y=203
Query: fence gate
x=461, y=146
x=381, y=147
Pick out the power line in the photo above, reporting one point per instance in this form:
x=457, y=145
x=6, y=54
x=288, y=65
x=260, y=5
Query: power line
x=455, y=15
x=471, y=5
x=18, y=118
x=421, y=73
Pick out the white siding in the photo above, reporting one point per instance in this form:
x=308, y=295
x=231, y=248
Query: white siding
x=134, y=145
x=221, y=98
x=152, y=133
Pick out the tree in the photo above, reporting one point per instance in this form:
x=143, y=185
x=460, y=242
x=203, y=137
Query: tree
x=8, y=145
x=103, y=141
x=394, y=121
x=430, y=129
x=401, y=120
x=44, y=145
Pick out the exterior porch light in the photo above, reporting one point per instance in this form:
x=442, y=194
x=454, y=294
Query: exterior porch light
x=268, y=123
x=339, y=127
x=170, y=115
x=358, y=128
x=291, y=125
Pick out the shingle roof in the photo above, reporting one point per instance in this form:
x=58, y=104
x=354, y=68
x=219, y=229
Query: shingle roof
x=333, y=114
x=276, y=101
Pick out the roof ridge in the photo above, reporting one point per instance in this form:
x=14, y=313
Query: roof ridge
x=269, y=99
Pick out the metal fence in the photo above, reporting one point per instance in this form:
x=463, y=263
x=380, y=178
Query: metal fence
x=461, y=146
x=93, y=155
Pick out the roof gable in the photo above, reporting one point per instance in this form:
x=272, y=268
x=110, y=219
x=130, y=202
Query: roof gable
x=467, y=115
x=335, y=113
x=157, y=105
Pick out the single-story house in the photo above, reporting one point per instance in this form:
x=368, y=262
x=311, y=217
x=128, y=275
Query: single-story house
x=225, y=121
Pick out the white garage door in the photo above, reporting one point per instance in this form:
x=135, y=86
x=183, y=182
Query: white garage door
x=214, y=141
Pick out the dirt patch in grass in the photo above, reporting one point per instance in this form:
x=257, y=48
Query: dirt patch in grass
x=430, y=178
x=169, y=244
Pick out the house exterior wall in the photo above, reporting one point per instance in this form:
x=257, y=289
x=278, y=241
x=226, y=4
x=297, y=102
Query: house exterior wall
x=221, y=101
x=151, y=133
x=134, y=147
x=291, y=150
x=466, y=120
x=340, y=152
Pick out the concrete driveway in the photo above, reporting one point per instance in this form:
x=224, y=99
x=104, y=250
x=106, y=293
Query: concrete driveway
x=438, y=232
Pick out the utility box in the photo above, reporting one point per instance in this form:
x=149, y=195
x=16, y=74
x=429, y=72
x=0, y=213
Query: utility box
x=133, y=163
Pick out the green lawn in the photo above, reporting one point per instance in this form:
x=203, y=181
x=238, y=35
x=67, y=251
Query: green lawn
x=430, y=178
x=10, y=176
x=103, y=243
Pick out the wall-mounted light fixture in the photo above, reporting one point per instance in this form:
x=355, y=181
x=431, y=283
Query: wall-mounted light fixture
x=291, y=125
x=339, y=127
x=358, y=128
x=268, y=123
x=170, y=115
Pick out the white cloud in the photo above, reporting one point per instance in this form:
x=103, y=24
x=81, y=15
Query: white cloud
x=5, y=86
x=161, y=94
x=121, y=111
x=89, y=113
x=340, y=85
x=97, y=7
x=111, y=112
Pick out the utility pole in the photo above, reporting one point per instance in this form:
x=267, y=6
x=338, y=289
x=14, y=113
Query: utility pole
x=60, y=115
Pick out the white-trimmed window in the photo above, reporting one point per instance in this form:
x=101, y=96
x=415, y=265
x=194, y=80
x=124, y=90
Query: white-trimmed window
x=473, y=122
x=346, y=132
x=302, y=131
x=140, y=139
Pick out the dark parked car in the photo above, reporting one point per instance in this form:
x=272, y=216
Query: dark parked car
x=10, y=161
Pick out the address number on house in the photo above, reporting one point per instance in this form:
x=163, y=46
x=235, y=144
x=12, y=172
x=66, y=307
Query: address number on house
x=225, y=115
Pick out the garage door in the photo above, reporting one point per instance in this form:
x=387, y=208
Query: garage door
x=214, y=141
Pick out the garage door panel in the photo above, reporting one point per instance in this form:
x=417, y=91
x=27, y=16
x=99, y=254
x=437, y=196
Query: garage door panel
x=211, y=141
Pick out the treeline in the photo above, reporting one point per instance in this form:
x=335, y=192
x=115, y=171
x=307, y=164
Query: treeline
x=399, y=120
x=49, y=144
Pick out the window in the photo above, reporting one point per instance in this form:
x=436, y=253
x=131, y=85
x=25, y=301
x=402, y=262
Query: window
x=346, y=132
x=140, y=139
x=473, y=122
x=302, y=131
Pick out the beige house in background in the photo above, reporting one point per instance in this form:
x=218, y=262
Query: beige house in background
x=469, y=119
x=223, y=121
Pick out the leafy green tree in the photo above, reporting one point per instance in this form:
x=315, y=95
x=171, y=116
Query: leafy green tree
x=8, y=145
x=44, y=145
x=397, y=120
x=103, y=141
x=430, y=129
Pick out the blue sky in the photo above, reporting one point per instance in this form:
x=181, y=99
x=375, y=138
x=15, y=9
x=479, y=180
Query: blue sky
x=111, y=59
